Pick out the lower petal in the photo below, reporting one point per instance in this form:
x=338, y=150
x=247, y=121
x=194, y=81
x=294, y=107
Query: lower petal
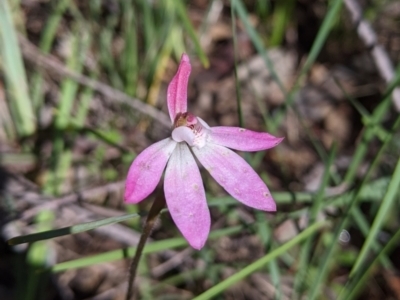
x=146, y=170
x=185, y=197
x=236, y=176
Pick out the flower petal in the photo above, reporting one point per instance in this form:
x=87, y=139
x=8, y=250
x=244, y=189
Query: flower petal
x=183, y=133
x=146, y=170
x=185, y=197
x=242, y=139
x=236, y=176
x=177, y=88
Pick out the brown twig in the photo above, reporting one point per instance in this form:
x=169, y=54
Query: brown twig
x=89, y=193
x=52, y=64
x=379, y=54
x=174, y=261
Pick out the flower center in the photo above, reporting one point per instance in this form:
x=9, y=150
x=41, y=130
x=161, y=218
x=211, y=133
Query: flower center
x=185, y=119
x=191, y=129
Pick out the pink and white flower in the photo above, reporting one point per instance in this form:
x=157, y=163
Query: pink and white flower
x=183, y=186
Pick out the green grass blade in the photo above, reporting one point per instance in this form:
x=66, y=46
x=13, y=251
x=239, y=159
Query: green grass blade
x=14, y=71
x=366, y=117
x=273, y=268
x=69, y=87
x=379, y=220
x=361, y=277
x=364, y=227
x=46, y=42
x=105, y=42
x=129, y=252
x=367, y=137
x=219, y=288
x=84, y=104
x=237, y=84
x=369, y=133
x=323, y=33
x=44, y=235
x=327, y=256
x=186, y=23
x=256, y=40
x=263, y=7
x=129, y=59
x=61, y=155
x=37, y=258
x=149, y=24
x=316, y=207
x=265, y=233
x=183, y=277
x=282, y=13
x=319, y=42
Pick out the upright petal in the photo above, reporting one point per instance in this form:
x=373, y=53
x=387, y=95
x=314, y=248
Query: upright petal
x=242, y=139
x=185, y=196
x=177, y=89
x=235, y=175
x=146, y=170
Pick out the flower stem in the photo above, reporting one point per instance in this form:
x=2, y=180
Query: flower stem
x=155, y=210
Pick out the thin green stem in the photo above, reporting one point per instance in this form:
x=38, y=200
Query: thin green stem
x=223, y=285
x=305, y=253
x=359, y=281
x=379, y=220
x=158, y=205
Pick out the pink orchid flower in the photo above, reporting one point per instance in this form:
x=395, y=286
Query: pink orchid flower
x=183, y=186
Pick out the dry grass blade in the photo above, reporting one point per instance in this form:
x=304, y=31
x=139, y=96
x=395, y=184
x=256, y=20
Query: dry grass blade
x=370, y=39
x=93, y=192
